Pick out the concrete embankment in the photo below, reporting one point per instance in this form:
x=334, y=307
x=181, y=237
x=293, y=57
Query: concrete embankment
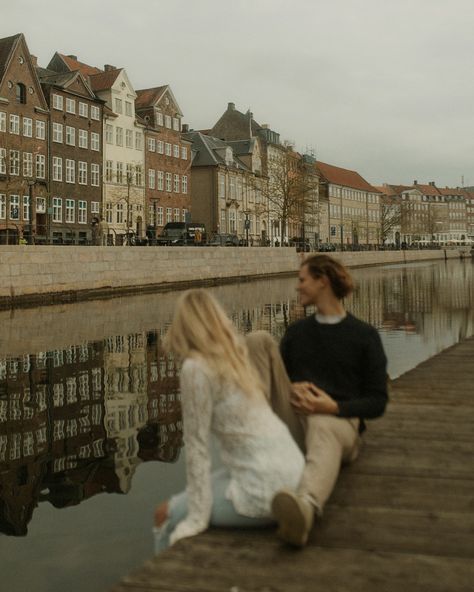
x=32, y=275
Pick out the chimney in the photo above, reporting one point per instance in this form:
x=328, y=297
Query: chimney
x=432, y=183
x=185, y=128
x=108, y=68
x=415, y=182
x=250, y=116
x=34, y=59
x=73, y=57
x=230, y=106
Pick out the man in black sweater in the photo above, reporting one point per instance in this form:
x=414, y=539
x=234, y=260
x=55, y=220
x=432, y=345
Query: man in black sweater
x=338, y=371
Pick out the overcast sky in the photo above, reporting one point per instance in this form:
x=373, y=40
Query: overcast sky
x=384, y=87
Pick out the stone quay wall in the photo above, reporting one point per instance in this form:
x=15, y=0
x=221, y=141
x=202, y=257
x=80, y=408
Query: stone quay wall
x=32, y=275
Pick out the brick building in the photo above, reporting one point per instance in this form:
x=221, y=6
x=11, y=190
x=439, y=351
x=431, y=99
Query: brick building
x=23, y=143
x=167, y=158
x=75, y=157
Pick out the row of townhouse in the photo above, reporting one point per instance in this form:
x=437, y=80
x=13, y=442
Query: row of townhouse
x=78, y=143
x=426, y=214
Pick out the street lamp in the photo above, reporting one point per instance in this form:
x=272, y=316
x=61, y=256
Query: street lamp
x=31, y=184
x=247, y=227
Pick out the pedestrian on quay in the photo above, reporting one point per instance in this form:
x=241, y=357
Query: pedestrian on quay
x=338, y=373
x=221, y=393
x=103, y=231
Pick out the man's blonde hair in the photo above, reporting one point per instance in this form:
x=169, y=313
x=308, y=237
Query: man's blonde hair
x=200, y=327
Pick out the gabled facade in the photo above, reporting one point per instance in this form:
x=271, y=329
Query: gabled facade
x=354, y=207
x=23, y=144
x=167, y=159
x=76, y=157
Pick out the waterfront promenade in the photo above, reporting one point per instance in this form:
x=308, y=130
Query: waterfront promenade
x=400, y=520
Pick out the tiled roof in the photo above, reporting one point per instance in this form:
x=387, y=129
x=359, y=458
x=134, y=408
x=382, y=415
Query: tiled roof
x=344, y=177
x=242, y=146
x=148, y=96
x=426, y=189
x=58, y=79
x=451, y=191
x=84, y=69
x=6, y=46
x=104, y=80
x=207, y=149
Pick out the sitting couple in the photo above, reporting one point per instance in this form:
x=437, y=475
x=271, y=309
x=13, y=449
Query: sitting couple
x=328, y=376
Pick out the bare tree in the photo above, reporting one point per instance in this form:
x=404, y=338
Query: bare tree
x=390, y=219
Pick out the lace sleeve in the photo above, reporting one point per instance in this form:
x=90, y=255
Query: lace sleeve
x=196, y=401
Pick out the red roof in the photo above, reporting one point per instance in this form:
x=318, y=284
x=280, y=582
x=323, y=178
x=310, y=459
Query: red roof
x=451, y=191
x=74, y=65
x=147, y=96
x=104, y=80
x=427, y=189
x=345, y=177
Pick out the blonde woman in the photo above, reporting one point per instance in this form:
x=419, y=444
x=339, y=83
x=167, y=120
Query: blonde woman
x=221, y=393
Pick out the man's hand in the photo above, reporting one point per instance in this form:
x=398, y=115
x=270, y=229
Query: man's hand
x=308, y=399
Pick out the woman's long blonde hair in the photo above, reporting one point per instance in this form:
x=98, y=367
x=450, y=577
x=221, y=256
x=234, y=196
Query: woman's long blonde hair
x=201, y=327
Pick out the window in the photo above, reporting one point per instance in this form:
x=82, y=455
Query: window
x=14, y=162
x=160, y=146
x=167, y=149
x=3, y=121
x=70, y=171
x=184, y=214
x=175, y=150
x=159, y=184
x=108, y=170
x=168, y=121
x=41, y=205
x=159, y=213
x=3, y=161
x=27, y=127
x=169, y=215
x=14, y=124
x=119, y=216
x=83, y=109
x=221, y=185
x=14, y=207
x=27, y=164
x=95, y=141
x=128, y=108
x=108, y=213
x=95, y=112
x=151, y=178
x=119, y=172
x=184, y=153
x=109, y=134
x=130, y=177
x=82, y=212
x=3, y=206
x=70, y=211
x=83, y=138
x=129, y=138
x=138, y=140
x=26, y=207
x=119, y=136
x=95, y=207
x=151, y=144
x=82, y=173
x=176, y=215
x=159, y=118
x=176, y=125
x=138, y=175
x=57, y=168
x=57, y=133
x=168, y=181
x=57, y=209
x=95, y=175
x=70, y=135
x=40, y=129
x=184, y=183
x=58, y=102
x=41, y=166
x=176, y=185
x=118, y=105
x=71, y=106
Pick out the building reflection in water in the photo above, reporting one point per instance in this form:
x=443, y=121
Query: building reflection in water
x=77, y=421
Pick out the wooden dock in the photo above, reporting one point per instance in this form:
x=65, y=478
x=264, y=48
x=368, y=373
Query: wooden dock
x=401, y=518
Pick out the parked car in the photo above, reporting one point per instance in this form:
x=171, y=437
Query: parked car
x=327, y=247
x=224, y=240
x=182, y=233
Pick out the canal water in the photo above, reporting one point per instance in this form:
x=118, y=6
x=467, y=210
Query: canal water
x=90, y=427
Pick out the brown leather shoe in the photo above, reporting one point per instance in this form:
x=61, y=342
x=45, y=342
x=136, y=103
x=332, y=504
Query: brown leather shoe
x=295, y=517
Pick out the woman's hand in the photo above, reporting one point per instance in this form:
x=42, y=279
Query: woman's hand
x=308, y=399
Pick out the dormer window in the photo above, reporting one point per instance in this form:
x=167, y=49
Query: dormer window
x=20, y=93
x=229, y=156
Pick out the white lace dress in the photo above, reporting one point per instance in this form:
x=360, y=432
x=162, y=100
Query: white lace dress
x=255, y=446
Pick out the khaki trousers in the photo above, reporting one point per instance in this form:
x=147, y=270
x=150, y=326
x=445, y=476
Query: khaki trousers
x=328, y=441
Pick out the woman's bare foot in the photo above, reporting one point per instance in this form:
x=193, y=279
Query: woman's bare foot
x=161, y=514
